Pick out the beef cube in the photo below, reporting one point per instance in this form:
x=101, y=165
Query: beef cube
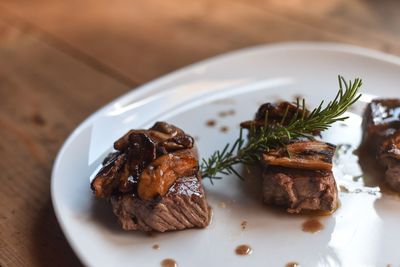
x=381, y=137
x=153, y=181
x=299, y=177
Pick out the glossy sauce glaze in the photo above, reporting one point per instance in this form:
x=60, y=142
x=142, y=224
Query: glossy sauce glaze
x=230, y=112
x=312, y=226
x=211, y=123
x=243, y=250
x=224, y=129
x=292, y=264
x=385, y=111
x=169, y=263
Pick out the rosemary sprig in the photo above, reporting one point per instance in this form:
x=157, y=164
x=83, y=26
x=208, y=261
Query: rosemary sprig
x=302, y=124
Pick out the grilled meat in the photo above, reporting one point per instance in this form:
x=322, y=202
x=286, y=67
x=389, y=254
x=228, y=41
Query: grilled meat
x=381, y=119
x=153, y=180
x=382, y=136
x=298, y=176
x=183, y=206
x=389, y=155
x=299, y=189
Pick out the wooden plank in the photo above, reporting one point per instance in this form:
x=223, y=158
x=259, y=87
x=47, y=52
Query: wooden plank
x=145, y=39
x=374, y=24
x=373, y=17
x=44, y=94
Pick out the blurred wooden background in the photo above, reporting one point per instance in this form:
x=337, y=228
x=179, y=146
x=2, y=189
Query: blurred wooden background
x=62, y=60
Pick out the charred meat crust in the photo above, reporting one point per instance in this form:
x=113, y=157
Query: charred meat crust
x=184, y=206
x=389, y=156
x=381, y=136
x=381, y=119
x=153, y=181
x=390, y=147
x=303, y=180
x=297, y=176
x=299, y=190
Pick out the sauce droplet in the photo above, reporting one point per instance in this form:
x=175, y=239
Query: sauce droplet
x=169, y=263
x=292, y=264
x=150, y=234
x=312, y=226
x=156, y=247
x=211, y=123
x=243, y=225
x=243, y=250
x=224, y=129
x=226, y=113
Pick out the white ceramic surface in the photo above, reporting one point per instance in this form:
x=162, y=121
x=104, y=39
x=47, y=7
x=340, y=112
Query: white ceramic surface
x=364, y=231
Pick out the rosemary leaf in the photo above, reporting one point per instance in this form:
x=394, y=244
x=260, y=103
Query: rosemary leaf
x=273, y=135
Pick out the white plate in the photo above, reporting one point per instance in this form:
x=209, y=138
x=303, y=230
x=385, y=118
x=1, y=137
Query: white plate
x=363, y=232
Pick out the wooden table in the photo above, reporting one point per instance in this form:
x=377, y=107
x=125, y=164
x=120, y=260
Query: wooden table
x=62, y=60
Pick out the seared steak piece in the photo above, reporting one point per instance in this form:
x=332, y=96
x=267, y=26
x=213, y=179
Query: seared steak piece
x=184, y=206
x=382, y=136
x=389, y=155
x=381, y=119
x=298, y=176
x=153, y=181
x=297, y=189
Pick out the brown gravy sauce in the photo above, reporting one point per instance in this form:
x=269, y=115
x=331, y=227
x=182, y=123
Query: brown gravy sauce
x=224, y=129
x=230, y=112
x=243, y=250
x=169, y=263
x=292, y=264
x=211, y=123
x=312, y=226
x=150, y=234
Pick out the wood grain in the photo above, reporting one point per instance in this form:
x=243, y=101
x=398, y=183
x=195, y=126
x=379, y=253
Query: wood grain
x=61, y=60
x=153, y=37
x=44, y=94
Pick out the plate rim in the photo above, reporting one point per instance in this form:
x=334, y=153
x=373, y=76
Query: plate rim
x=148, y=86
